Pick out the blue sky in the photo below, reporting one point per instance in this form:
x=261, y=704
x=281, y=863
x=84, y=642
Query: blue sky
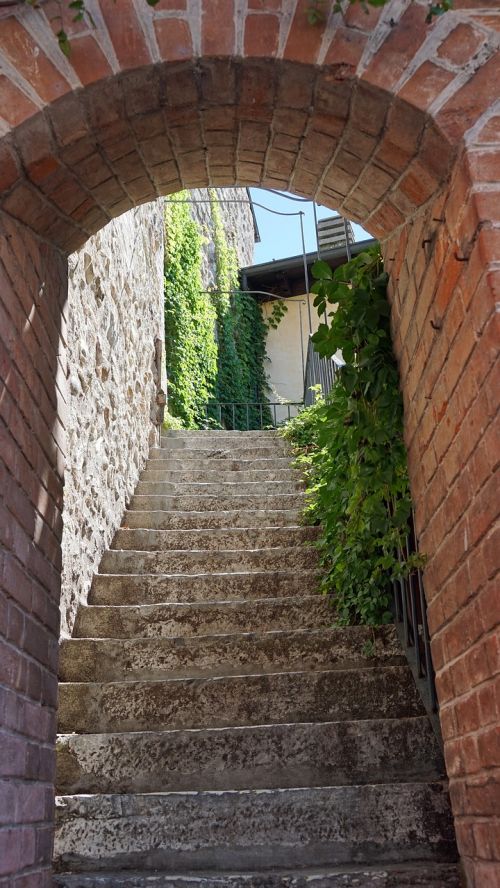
x=280, y=235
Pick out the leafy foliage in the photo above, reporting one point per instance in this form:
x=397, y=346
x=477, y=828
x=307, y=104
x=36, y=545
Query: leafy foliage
x=215, y=343
x=351, y=444
x=190, y=348
x=241, y=335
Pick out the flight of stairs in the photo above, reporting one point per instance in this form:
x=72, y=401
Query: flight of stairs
x=215, y=730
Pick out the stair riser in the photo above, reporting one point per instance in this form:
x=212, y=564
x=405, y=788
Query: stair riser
x=152, y=659
x=179, y=463
x=235, y=444
x=227, y=831
x=217, y=503
x=395, y=876
x=222, y=451
x=213, y=539
x=199, y=520
x=194, y=562
x=231, y=701
x=167, y=621
x=219, y=476
x=219, y=488
x=330, y=754
x=136, y=589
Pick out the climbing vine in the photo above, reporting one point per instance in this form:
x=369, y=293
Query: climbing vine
x=351, y=444
x=241, y=336
x=191, y=352
x=215, y=342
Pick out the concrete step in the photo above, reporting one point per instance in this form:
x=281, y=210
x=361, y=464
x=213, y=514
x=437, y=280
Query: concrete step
x=411, y=875
x=266, y=828
x=225, y=442
x=177, y=462
x=212, y=539
x=223, y=450
x=217, y=488
x=178, y=520
x=249, y=653
x=203, y=503
x=260, y=757
x=241, y=586
x=178, y=561
x=229, y=701
x=202, y=618
x=213, y=475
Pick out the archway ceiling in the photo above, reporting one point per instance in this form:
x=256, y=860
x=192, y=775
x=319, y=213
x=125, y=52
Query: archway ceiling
x=371, y=128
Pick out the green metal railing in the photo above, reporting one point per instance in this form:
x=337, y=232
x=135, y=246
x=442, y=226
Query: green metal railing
x=250, y=415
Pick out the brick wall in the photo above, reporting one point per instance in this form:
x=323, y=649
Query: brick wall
x=32, y=377
x=392, y=121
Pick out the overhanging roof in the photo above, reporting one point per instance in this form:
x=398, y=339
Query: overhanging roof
x=285, y=277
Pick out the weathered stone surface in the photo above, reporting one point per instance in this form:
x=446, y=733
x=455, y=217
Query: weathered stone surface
x=144, y=659
x=136, y=589
x=202, y=618
x=217, y=488
x=221, y=450
x=217, y=503
x=214, y=538
x=414, y=875
x=260, y=757
x=378, y=692
x=236, y=441
x=179, y=561
x=231, y=830
x=214, y=475
x=200, y=464
x=115, y=313
x=176, y=519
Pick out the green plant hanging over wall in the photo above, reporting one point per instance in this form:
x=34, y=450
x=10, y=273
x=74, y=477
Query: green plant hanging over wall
x=241, y=336
x=351, y=445
x=215, y=342
x=190, y=348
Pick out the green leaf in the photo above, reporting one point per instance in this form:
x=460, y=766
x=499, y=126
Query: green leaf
x=64, y=44
x=322, y=271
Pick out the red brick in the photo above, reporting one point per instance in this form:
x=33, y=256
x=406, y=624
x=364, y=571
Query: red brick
x=174, y=39
x=425, y=85
x=217, y=27
x=15, y=106
x=88, y=59
x=30, y=60
x=398, y=48
x=261, y=35
x=470, y=101
x=460, y=45
x=126, y=34
x=346, y=49
x=304, y=40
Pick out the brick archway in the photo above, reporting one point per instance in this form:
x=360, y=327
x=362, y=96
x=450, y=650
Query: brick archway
x=386, y=118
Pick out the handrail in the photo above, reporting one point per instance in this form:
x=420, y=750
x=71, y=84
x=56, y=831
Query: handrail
x=249, y=415
x=319, y=371
x=410, y=618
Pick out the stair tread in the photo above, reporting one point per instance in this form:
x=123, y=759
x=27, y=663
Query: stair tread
x=413, y=875
x=260, y=756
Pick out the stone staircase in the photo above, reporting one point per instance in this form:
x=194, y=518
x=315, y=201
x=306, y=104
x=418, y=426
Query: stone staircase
x=216, y=731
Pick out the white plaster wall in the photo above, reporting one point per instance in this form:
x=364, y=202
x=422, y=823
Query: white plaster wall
x=283, y=346
x=115, y=313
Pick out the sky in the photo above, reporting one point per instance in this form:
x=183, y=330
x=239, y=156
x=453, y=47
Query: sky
x=280, y=235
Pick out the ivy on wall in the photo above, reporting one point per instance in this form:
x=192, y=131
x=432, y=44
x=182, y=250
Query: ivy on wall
x=215, y=343
x=241, y=335
x=351, y=445
x=190, y=348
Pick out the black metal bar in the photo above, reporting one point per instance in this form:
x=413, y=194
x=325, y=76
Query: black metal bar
x=234, y=416
x=248, y=417
x=261, y=419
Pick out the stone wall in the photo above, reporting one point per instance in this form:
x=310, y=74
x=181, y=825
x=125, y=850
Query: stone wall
x=115, y=313
x=237, y=219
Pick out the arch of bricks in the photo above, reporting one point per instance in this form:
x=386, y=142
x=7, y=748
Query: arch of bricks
x=392, y=121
